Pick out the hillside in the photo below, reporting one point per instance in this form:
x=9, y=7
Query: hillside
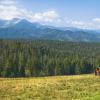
x=23, y=29
x=20, y=58
x=84, y=87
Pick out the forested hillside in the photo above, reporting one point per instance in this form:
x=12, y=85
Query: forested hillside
x=19, y=58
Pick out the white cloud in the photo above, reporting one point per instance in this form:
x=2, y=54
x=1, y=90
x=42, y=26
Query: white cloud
x=7, y=2
x=77, y=23
x=9, y=12
x=84, y=25
x=9, y=9
x=96, y=20
x=49, y=16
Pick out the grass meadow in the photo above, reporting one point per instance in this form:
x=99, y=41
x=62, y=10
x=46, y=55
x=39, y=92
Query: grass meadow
x=79, y=87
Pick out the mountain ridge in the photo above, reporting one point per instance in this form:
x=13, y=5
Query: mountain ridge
x=24, y=29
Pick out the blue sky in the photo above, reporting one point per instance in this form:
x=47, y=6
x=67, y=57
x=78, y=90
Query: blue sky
x=75, y=9
x=75, y=13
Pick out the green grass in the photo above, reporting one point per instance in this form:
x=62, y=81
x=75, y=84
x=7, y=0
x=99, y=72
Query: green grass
x=83, y=87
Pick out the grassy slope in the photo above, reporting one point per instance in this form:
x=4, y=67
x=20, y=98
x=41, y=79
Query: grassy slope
x=83, y=87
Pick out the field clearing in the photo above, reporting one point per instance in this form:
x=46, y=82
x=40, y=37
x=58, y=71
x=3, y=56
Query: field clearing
x=79, y=87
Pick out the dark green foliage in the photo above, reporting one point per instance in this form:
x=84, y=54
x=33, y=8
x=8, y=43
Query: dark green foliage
x=21, y=58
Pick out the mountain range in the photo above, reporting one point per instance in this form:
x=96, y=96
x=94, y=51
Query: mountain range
x=24, y=29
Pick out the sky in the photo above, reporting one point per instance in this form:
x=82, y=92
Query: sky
x=61, y=13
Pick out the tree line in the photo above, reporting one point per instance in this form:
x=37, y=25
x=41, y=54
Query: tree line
x=27, y=58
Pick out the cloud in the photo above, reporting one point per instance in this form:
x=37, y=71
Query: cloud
x=7, y=2
x=77, y=23
x=9, y=12
x=96, y=20
x=9, y=9
x=83, y=25
x=48, y=16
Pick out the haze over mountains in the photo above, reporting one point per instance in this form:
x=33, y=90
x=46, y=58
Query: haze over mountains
x=23, y=29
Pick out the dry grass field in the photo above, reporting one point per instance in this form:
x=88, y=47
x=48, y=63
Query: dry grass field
x=82, y=87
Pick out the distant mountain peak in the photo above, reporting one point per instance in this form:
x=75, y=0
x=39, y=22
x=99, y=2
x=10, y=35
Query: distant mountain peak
x=22, y=28
x=23, y=23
